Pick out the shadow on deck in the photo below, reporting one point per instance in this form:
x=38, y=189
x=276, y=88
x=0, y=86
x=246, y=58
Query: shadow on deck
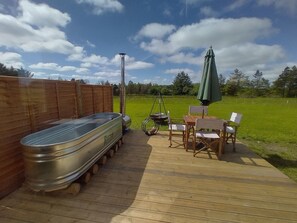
x=146, y=181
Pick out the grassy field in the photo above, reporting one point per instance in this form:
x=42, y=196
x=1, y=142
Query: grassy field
x=268, y=126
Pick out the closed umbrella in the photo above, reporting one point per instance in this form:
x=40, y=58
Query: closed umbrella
x=209, y=90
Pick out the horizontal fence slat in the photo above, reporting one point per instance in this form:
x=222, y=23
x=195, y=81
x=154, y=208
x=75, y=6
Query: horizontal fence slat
x=28, y=105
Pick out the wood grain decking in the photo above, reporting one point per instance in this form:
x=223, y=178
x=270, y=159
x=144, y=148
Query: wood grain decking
x=146, y=181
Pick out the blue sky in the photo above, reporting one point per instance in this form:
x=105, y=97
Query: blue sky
x=81, y=39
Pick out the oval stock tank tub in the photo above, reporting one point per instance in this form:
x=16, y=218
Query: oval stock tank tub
x=57, y=156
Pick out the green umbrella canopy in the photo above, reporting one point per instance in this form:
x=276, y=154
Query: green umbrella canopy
x=209, y=90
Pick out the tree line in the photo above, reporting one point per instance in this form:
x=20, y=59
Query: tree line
x=182, y=85
x=237, y=84
x=20, y=72
x=240, y=84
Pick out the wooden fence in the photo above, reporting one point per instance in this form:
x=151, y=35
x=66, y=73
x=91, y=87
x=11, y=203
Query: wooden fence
x=28, y=105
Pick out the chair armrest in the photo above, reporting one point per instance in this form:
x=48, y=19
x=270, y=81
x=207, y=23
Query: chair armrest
x=232, y=124
x=176, y=121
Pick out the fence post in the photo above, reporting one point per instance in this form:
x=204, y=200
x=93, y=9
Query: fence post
x=57, y=100
x=79, y=99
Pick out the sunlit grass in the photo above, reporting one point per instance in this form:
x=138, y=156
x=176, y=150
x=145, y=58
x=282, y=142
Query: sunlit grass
x=266, y=122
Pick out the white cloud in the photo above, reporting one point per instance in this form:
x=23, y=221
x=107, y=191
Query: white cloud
x=175, y=71
x=52, y=66
x=35, y=32
x=88, y=65
x=11, y=59
x=191, y=2
x=235, y=5
x=208, y=12
x=39, y=75
x=289, y=6
x=234, y=40
x=157, y=46
x=51, y=46
x=248, y=57
x=77, y=56
x=108, y=73
x=95, y=59
x=136, y=65
x=92, y=45
x=82, y=70
x=147, y=81
x=194, y=76
x=218, y=32
x=167, y=12
x=101, y=6
x=41, y=15
x=188, y=58
x=155, y=30
x=131, y=63
x=159, y=80
x=113, y=76
x=89, y=61
x=1, y=7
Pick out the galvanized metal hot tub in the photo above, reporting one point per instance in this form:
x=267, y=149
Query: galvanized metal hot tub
x=57, y=156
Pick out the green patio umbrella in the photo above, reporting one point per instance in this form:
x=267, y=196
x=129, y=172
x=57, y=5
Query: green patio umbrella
x=209, y=90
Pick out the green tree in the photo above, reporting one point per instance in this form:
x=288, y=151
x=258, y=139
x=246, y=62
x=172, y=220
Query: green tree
x=260, y=85
x=182, y=84
x=222, y=81
x=7, y=71
x=195, y=89
x=155, y=90
x=237, y=83
x=21, y=72
x=3, y=69
x=24, y=73
x=130, y=88
x=102, y=82
x=166, y=90
x=286, y=83
x=115, y=90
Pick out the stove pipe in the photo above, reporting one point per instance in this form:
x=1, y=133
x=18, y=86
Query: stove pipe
x=126, y=118
x=122, y=89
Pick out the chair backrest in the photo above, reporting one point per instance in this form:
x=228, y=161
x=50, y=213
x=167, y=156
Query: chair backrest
x=213, y=124
x=201, y=110
x=236, y=117
x=169, y=119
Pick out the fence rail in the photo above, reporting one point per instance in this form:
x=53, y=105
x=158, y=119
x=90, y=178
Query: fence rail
x=28, y=105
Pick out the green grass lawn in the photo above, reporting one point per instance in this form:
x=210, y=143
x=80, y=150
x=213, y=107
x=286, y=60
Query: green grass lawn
x=268, y=125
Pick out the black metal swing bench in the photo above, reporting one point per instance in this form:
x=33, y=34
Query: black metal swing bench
x=152, y=123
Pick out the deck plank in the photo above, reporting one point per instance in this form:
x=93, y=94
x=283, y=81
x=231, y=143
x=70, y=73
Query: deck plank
x=146, y=181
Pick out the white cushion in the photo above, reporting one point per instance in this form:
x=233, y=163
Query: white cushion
x=211, y=135
x=177, y=127
x=230, y=129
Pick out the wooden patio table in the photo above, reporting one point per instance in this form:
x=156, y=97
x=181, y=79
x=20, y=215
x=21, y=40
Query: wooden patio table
x=190, y=121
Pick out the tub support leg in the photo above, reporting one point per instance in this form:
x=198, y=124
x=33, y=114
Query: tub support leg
x=103, y=160
x=110, y=153
x=94, y=169
x=73, y=189
x=85, y=178
x=116, y=147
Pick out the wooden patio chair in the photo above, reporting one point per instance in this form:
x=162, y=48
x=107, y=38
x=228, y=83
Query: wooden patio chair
x=232, y=127
x=175, y=127
x=198, y=110
x=209, y=135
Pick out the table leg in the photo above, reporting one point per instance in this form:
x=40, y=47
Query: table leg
x=188, y=132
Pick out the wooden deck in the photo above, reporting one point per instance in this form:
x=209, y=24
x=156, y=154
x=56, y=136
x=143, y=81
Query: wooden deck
x=146, y=181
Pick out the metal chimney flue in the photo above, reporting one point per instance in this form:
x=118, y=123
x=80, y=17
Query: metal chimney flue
x=126, y=118
x=122, y=90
